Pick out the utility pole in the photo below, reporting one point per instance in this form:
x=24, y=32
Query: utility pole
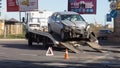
x=3, y=20
x=117, y=19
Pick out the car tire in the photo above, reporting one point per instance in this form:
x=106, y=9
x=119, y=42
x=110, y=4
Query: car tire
x=49, y=29
x=62, y=35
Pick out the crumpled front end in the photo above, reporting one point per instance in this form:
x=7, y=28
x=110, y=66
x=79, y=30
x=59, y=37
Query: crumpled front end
x=76, y=32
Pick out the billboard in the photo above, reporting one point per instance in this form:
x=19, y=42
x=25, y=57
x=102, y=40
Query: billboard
x=22, y=5
x=12, y=6
x=82, y=6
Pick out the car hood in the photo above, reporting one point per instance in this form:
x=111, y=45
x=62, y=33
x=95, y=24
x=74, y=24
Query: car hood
x=78, y=24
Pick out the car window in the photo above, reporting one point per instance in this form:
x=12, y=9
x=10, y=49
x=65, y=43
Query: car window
x=34, y=20
x=58, y=17
x=53, y=17
x=72, y=17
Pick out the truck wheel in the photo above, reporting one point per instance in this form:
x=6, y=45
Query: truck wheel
x=29, y=42
x=49, y=29
x=46, y=45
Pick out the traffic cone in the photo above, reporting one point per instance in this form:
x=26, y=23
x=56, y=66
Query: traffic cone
x=66, y=56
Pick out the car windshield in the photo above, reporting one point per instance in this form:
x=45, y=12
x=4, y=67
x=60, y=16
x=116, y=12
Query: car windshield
x=34, y=25
x=72, y=17
x=35, y=20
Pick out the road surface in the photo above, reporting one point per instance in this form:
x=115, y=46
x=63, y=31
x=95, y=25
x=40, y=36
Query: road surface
x=16, y=54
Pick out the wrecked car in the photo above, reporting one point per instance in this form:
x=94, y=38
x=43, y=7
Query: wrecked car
x=70, y=25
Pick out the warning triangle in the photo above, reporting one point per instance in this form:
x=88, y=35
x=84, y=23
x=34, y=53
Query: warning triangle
x=49, y=52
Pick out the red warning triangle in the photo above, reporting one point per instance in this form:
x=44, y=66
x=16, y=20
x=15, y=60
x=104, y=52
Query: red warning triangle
x=49, y=52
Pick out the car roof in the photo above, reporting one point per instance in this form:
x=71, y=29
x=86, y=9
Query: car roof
x=66, y=12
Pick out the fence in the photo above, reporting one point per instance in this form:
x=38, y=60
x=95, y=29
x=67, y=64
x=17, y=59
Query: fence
x=10, y=28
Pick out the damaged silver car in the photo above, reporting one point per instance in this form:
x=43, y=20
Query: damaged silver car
x=69, y=25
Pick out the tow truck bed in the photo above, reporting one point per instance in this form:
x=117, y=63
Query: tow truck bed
x=72, y=45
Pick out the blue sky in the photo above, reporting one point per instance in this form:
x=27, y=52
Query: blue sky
x=61, y=5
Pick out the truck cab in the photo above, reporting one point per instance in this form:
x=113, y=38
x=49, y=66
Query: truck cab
x=33, y=24
x=36, y=20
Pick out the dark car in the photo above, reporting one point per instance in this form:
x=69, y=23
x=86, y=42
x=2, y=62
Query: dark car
x=68, y=25
x=104, y=33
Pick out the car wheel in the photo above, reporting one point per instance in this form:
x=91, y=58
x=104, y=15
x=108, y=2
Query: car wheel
x=49, y=29
x=62, y=35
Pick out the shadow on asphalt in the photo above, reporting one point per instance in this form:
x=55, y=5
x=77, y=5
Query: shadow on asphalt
x=108, y=43
x=19, y=45
x=34, y=47
x=110, y=46
x=41, y=47
x=49, y=64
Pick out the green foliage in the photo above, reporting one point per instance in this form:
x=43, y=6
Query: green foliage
x=20, y=36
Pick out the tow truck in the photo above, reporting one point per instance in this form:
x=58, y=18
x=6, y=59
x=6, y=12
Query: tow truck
x=52, y=40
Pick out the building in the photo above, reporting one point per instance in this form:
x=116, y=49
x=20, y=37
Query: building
x=1, y=26
x=13, y=27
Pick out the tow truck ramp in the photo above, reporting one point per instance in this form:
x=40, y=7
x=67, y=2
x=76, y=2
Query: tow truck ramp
x=72, y=45
x=75, y=46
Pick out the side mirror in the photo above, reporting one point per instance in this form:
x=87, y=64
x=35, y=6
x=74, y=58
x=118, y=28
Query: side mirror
x=58, y=21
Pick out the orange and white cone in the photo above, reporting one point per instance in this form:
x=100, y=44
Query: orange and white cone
x=66, y=56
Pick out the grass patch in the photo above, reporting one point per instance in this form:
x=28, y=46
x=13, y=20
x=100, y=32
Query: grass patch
x=19, y=36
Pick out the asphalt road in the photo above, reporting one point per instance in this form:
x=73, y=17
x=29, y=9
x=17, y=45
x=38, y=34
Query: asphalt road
x=16, y=54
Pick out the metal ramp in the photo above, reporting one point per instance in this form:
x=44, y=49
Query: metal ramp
x=95, y=46
x=75, y=46
x=71, y=46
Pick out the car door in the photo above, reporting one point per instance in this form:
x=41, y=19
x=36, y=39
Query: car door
x=52, y=21
x=57, y=23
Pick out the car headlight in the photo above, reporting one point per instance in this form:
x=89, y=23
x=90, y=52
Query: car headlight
x=88, y=27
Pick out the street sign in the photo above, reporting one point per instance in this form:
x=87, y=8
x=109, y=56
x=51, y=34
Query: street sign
x=109, y=19
x=113, y=13
x=113, y=5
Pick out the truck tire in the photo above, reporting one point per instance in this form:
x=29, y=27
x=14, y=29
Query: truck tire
x=46, y=45
x=26, y=35
x=29, y=42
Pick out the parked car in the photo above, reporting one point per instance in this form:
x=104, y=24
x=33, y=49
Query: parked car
x=104, y=33
x=69, y=25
